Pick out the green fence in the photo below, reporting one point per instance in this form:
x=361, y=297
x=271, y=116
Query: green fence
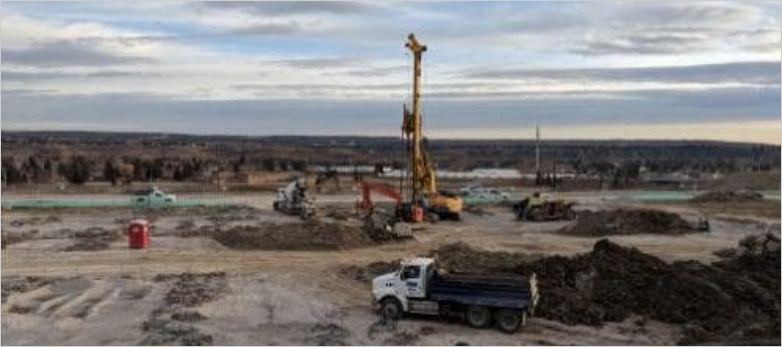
x=107, y=203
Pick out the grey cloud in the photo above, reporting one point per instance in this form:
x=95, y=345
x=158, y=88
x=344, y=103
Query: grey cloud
x=293, y=7
x=316, y=63
x=376, y=71
x=127, y=41
x=325, y=90
x=25, y=76
x=270, y=29
x=64, y=53
x=616, y=28
x=764, y=73
x=20, y=92
x=687, y=13
x=313, y=116
x=644, y=43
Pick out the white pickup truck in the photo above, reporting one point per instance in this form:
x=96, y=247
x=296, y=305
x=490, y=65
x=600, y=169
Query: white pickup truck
x=419, y=288
x=153, y=196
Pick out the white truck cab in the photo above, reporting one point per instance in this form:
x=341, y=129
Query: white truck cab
x=408, y=282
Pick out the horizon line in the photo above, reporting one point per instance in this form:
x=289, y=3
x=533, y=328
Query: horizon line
x=435, y=138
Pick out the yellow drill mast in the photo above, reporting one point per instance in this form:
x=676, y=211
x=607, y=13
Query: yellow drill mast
x=423, y=180
x=422, y=176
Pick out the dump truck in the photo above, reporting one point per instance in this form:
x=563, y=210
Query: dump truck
x=420, y=288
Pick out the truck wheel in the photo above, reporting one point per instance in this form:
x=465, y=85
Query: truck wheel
x=533, y=214
x=391, y=309
x=478, y=316
x=510, y=320
x=305, y=214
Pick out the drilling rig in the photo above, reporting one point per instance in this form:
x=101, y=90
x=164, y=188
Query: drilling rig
x=418, y=197
x=423, y=196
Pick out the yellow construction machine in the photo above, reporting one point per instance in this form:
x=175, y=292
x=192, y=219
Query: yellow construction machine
x=424, y=197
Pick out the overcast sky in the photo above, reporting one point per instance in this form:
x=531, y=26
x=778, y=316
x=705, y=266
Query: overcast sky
x=677, y=70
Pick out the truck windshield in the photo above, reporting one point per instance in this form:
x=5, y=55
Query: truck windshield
x=411, y=272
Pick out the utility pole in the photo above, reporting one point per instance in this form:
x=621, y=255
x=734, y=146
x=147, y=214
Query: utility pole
x=537, y=148
x=538, y=176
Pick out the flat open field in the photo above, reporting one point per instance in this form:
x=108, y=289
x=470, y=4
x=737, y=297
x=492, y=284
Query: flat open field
x=69, y=272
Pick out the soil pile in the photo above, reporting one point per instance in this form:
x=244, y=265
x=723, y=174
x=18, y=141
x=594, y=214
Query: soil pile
x=94, y=239
x=728, y=196
x=367, y=273
x=461, y=258
x=12, y=237
x=194, y=289
x=733, y=301
x=312, y=235
x=629, y=222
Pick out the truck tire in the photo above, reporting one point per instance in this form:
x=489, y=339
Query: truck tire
x=570, y=214
x=533, y=214
x=478, y=316
x=391, y=309
x=510, y=320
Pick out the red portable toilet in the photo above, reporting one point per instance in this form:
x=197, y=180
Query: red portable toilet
x=417, y=214
x=138, y=234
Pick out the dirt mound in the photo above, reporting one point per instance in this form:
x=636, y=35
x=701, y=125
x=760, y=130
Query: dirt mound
x=312, y=235
x=628, y=222
x=367, y=273
x=12, y=237
x=728, y=196
x=461, y=258
x=733, y=301
x=477, y=210
x=94, y=239
x=194, y=289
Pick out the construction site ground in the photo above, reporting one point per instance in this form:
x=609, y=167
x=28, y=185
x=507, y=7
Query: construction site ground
x=69, y=273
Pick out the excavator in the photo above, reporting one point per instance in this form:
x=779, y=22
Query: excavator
x=382, y=226
x=424, y=200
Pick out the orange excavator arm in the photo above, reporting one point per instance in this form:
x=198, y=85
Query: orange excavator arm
x=366, y=205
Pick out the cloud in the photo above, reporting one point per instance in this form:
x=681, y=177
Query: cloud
x=756, y=73
x=640, y=28
x=293, y=7
x=67, y=54
x=270, y=29
x=341, y=66
x=328, y=116
x=316, y=63
x=645, y=43
x=27, y=76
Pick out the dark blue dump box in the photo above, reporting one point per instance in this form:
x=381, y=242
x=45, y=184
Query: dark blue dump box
x=493, y=291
